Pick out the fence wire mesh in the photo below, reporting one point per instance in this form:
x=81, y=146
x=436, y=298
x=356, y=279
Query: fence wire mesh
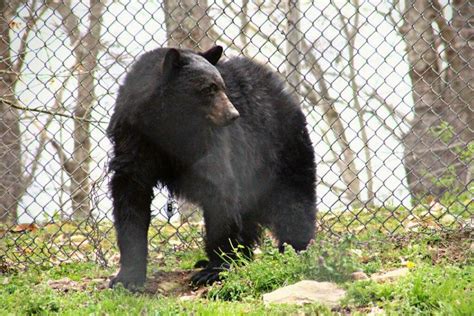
x=387, y=88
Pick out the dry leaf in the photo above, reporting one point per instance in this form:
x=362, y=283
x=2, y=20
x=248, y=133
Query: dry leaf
x=24, y=228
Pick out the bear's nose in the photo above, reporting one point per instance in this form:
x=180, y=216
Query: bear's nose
x=232, y=115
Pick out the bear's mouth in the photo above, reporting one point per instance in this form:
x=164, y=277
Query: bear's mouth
x=222, y=120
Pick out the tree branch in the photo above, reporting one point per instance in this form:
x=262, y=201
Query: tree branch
x=390, y=108
x=43, y=138
x=24, y=108
x=332, y=186
x=30, y=23
x=392, y=130
x=67, y=164
x=69, y=19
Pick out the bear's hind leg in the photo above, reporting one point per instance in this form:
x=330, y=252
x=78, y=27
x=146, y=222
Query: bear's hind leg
x=293, y=216
x=250, y=234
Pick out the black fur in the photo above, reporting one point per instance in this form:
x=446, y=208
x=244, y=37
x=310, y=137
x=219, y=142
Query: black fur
x=173, y=124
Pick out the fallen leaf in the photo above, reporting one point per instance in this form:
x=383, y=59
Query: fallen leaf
x=31, y=227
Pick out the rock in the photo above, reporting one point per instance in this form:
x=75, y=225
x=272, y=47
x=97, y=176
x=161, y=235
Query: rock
x=185, y=298
x=448, y=219
x=389, y=275
x=305, y=292
x=359, y=275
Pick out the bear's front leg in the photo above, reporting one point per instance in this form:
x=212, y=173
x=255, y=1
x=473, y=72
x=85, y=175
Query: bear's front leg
x=131, y=202
x=222, y=238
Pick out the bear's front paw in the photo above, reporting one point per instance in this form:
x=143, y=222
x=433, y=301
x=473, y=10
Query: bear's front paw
x=131, y=282
x=206, y=276
x=201, y=264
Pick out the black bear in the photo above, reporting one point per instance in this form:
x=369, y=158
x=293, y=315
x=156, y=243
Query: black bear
x=226, y=135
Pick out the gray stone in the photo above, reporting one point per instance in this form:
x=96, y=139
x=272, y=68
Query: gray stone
x=389, y=275
x=305, y=292
x=359, y=275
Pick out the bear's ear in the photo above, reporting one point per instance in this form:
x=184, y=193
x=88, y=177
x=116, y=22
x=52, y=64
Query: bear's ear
x=213, y=55
x=171, y=62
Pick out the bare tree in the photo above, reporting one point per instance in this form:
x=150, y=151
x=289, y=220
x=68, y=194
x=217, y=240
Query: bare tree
x=441, y=58
x=14, y=177
x=10, y=138
x=344, y=159
x=350, y=31
x=85, y=48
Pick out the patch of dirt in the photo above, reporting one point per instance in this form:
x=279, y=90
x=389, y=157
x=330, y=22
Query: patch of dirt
x=171, y=283
x=67, y=285
x=451, y=247
x=455, y=248
x=5, y=267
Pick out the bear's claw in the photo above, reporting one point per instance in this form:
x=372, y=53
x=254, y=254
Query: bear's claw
x=133, y=284
x=206, y=276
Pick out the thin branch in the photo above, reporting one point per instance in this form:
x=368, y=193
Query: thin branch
x=43, y=138
x=24, y=108
x=317, y=71
x=392, y=130
x=30, y=24
x=257, y=31
x=228, y=43
x=67, y=164
x=333, y=186
x=69, y=19
x=390, y=108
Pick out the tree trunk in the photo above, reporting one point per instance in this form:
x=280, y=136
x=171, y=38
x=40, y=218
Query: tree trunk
x=462, y=86
x=10, y=138
x=345, y=158
x=86, y=49
x=187, y=24
x=86, y=56
x=439, y=97
x=350, y=31
x=293, y=46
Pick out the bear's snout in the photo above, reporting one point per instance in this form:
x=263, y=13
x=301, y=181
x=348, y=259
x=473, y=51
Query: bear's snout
x=223, y=112
x=232, y=114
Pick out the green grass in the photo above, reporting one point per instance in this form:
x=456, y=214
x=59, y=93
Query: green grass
x=28, y=293
x=428, y=290
x=322, y=261
x=440, y=281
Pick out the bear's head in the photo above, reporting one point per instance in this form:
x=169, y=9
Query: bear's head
x=191, y=82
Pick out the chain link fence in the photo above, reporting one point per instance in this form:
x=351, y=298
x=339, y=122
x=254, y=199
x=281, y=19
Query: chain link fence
x=387, y=88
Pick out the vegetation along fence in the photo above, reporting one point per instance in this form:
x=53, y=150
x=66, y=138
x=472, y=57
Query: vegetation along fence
x=387, y=88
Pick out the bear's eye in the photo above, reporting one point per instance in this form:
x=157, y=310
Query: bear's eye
x=211, y=89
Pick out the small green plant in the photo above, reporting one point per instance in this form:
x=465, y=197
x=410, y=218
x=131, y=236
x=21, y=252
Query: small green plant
x=444, y=131
x=322, y=261
x=449, y=178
